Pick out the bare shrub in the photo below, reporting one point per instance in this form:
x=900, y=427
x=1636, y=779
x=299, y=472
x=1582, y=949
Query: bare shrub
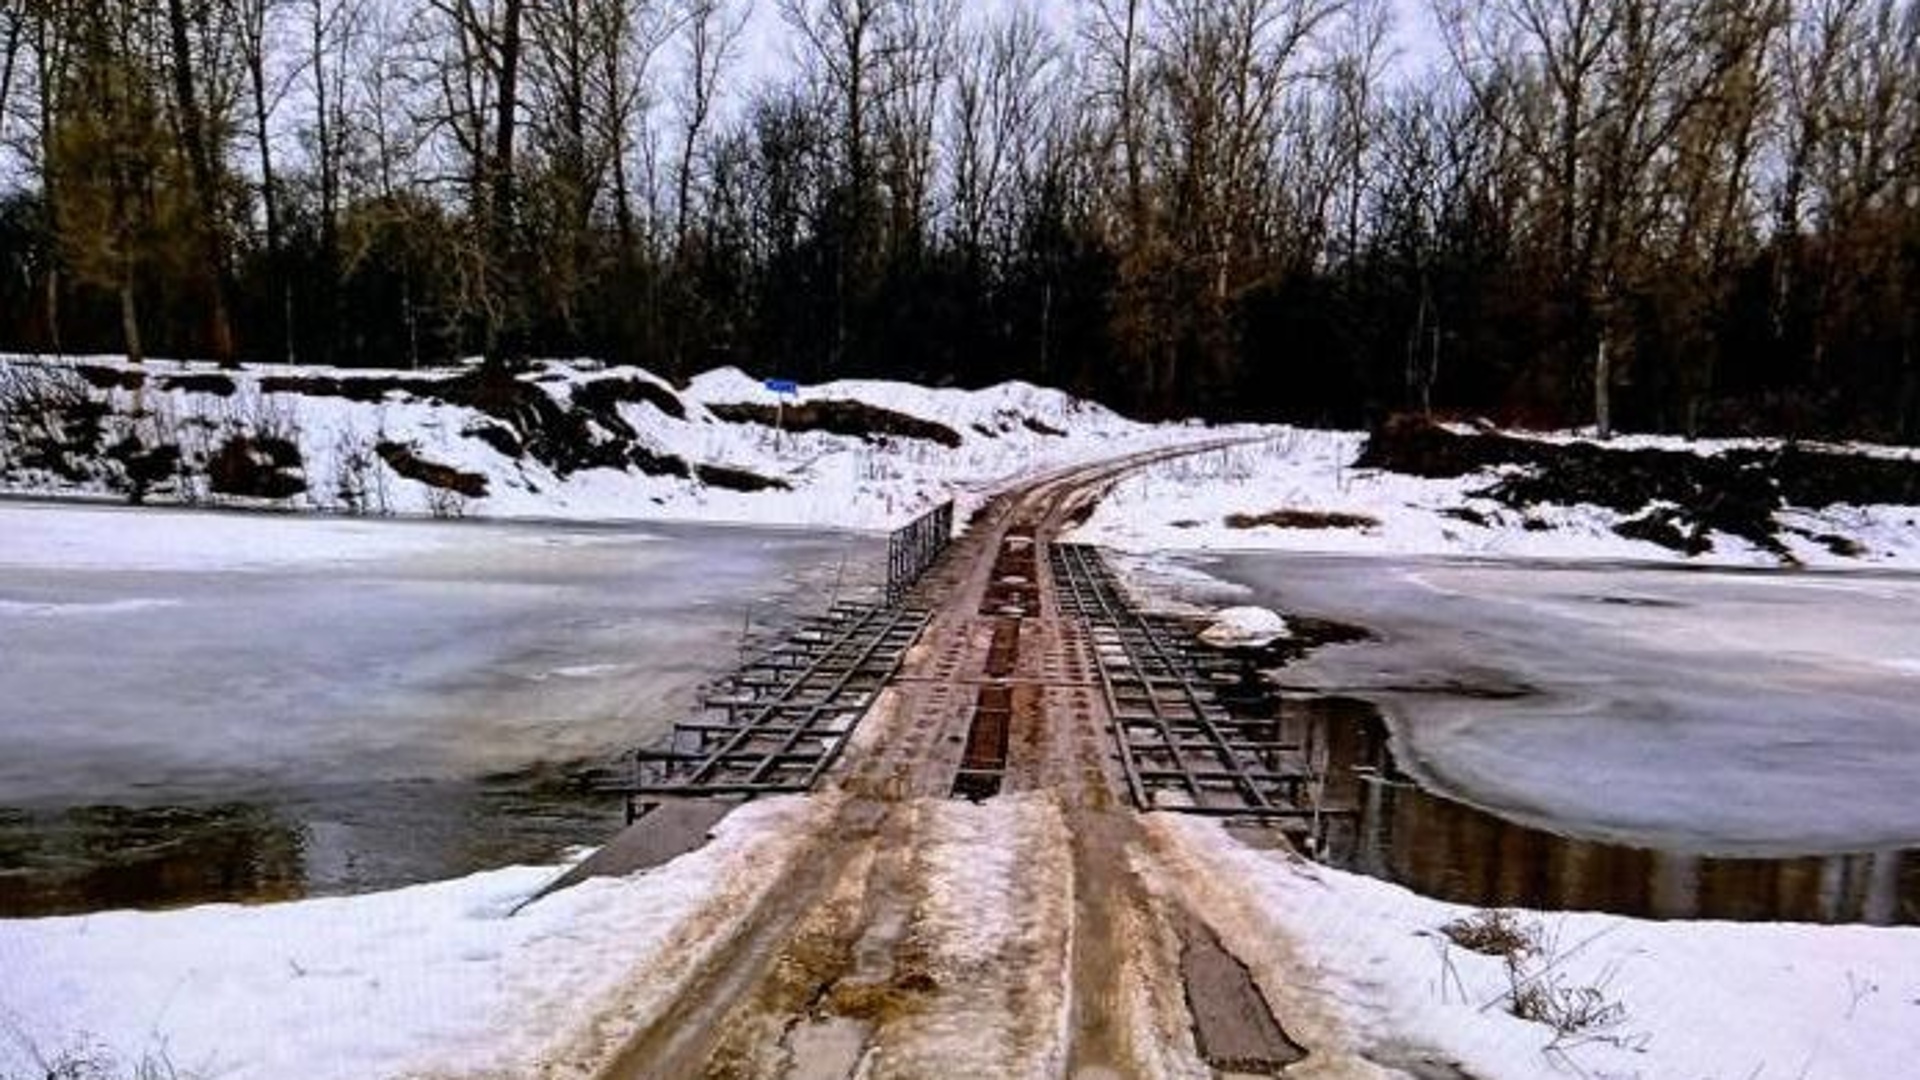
x=359, y=483
x=1571, y=1011
x=446, y=502
x=1538, y=989
x=50, y=421
x=1493, y=932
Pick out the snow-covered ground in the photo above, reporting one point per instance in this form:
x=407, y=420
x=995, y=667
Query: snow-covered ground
x=968, y=444
x=442, y=979
x=847, y=481
x=1681, y=1000
x=1186, y=504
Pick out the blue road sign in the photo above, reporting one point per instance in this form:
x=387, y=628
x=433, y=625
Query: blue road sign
x=783, y=386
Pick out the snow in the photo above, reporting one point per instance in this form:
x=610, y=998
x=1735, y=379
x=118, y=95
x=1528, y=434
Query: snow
x=442, y=976
x=1248, y=627
x=1184, y=504
x=993, y=931
x=1007, y=431
x=1698, y=999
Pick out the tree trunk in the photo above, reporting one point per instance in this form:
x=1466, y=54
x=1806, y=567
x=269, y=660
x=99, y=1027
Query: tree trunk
x=130, y=324
x=53, y=311
x=193, y=138
x=269, y=197
x=502, y=309
x=1602, y=390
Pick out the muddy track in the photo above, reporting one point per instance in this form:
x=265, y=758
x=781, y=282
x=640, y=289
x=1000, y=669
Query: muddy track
x=1029, y=935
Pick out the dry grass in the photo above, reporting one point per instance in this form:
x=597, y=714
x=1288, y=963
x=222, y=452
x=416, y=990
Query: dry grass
x=1493, y=933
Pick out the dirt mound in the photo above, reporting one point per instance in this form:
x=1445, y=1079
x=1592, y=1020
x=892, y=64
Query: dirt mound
x=1302, y=519
x=728, y=478
x=367, y=389
x=258, y=467
x=207, y=383
x=404, y=460
x=601, y=395
x=853, y=419
x=1678, y=498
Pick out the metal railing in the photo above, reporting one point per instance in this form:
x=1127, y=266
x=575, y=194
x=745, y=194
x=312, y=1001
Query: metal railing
x=914, y=547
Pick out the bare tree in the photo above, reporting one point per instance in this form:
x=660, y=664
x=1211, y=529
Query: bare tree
x=1222, y=71
x=709, y=40
x=196, y=57
x=996, y=111
x=1594, y=92
x=915, y=58
x=478, y=71
x=13, y=39
x=842, y=42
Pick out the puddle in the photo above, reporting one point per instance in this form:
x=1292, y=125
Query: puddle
x=1455, y=852
x=317, y=841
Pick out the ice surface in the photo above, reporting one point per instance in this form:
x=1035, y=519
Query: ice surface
x=1751, y=713
x=233, y=705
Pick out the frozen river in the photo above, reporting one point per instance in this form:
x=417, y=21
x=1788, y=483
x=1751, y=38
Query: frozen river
x=1691, y=717
x=209, y=705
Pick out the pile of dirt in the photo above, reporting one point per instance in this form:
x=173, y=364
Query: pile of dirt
x=366, y=389
x=729, y=478
x=852, y=419
x=406, y=461
x=106, y=378
x=204, y=383
x=1678, y=499
x=601, y=395
x=256, y=467
x=567, y=439
x=1302, y=519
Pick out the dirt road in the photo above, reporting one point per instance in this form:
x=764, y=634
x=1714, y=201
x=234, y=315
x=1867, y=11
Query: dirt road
x=1044, y=931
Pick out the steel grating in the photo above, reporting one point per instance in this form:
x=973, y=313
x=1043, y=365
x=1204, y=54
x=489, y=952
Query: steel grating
x=782, y=719
x=1182, y=746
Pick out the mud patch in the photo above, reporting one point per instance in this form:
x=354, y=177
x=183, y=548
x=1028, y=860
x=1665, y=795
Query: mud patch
x=1232, y=1025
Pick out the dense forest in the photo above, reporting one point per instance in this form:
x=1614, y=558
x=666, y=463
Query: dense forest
x=1683, y=215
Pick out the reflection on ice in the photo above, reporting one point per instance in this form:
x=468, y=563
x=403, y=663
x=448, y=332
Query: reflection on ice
x=1451, y=851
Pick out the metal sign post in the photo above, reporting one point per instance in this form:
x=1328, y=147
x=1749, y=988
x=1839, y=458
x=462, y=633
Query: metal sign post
x=781, y=389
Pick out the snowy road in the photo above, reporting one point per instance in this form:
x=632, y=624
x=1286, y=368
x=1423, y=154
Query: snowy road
x=1714, y=712
x=284, y=705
